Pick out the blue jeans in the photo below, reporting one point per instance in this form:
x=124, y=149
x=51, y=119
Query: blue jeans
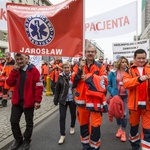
x=123, y=122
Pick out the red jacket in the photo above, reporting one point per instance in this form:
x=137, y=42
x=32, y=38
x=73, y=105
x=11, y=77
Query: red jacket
x=33, y=87
x=116, y=108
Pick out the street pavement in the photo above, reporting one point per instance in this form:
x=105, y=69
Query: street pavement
x=47, y=108
x=46, y=118
x=47, y=133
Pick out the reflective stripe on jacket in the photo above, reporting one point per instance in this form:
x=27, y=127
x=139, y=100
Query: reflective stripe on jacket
x=33, y=87
x=95, y=93
x=80, y=85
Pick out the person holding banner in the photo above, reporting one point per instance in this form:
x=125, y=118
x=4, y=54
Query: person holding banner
x=89, y=119
x=27, y=95
x=137, y=80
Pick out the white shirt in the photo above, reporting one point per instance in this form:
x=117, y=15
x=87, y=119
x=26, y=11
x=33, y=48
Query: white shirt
x=140, y=69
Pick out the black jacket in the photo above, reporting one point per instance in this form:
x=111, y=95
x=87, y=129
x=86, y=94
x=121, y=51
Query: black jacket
x=61, y=90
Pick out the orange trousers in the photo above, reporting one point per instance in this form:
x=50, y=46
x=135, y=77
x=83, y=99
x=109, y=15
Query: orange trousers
x=90, y=123
x=134, y=137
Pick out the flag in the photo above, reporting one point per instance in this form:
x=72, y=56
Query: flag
x=116, y=22
x=55, y=30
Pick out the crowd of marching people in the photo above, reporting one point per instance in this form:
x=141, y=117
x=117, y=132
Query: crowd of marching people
x=126, y=83
x=89, y=88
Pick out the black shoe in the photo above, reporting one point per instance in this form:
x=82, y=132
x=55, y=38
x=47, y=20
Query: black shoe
x=1, y=106
x=16, y=144
x=26, y=145
x=4, y=103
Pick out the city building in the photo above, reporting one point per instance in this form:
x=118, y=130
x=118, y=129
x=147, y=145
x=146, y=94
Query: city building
x=145, y=21
x=145, y=14
x=146, y=35
x=3, y=43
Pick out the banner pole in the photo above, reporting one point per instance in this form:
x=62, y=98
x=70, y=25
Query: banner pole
x=83, y=51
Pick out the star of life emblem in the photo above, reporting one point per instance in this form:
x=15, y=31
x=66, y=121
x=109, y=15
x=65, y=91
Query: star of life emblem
x=39, y=29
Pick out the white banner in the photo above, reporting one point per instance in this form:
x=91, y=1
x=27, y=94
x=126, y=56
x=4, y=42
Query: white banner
x=119, y=21
x=3, y=19
x=65, y=59
x=36, y=61
x=127, y=49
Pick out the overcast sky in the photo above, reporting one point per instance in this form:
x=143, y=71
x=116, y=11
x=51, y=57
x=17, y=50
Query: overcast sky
x=95, y=7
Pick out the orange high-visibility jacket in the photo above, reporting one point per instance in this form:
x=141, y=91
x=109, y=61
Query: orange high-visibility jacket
x=55, y=73
x=131, y=82
x=80, y=85
x=9, y=66
x=2, y=77
x=95, y=93
x=45, y=69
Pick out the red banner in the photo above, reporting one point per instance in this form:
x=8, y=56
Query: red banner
x=55, y=30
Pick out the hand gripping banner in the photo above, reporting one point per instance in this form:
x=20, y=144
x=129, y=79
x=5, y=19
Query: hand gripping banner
x=55, y=30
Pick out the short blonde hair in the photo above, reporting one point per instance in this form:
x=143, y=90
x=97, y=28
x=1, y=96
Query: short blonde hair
x=66, y=64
